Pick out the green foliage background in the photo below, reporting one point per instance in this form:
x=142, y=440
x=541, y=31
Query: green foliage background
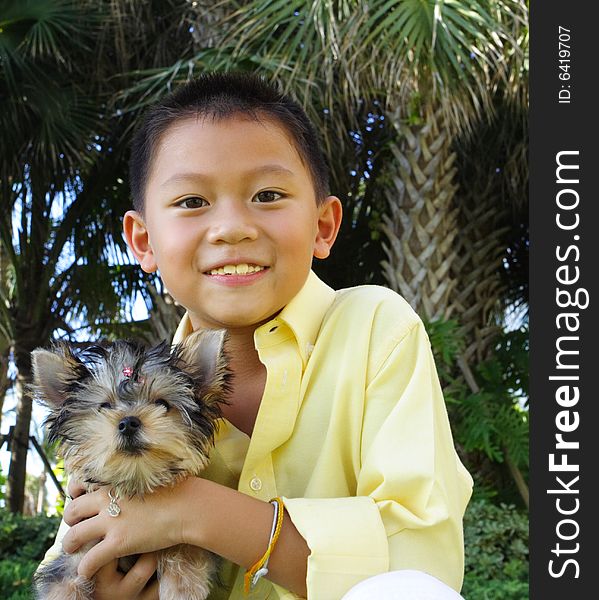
x=75, y=74
x=496, y=540
x=23, y=543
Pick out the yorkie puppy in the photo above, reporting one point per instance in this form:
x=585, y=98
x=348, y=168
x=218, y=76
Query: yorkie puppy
x=133, y=419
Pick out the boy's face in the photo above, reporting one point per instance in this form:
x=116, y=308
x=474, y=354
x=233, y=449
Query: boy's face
x=233, y=195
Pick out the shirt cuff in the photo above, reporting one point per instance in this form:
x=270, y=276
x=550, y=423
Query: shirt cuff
x=347, y=542
x=56, y=549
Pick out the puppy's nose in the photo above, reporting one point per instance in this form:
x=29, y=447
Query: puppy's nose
x=129, y=426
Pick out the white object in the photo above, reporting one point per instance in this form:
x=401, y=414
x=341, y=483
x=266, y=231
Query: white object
x=402, y=585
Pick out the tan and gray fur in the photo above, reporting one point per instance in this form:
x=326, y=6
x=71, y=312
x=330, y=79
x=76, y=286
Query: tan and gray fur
x=134, y=419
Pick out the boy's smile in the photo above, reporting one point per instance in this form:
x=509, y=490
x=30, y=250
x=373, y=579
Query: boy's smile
x=231, y=220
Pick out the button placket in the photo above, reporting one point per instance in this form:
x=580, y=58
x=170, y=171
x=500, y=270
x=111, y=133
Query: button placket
x=277, y=412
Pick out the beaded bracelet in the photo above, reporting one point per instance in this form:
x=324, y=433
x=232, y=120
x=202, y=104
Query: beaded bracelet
x=260, y=568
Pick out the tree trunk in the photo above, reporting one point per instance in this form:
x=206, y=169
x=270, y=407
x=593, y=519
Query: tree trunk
x=20, y=439
x=443, y=257
x=515, y=472
x=164, y=316
x=4, y=379
x=4, y=338
x=479, y=254
x=445, y=246
x=41, y=494
x=422, y=222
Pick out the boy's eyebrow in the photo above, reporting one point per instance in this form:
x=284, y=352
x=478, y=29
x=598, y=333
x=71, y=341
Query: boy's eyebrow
x=196, y=176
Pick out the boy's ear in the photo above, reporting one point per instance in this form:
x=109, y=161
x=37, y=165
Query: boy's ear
x=329, y=220
x=138, y=239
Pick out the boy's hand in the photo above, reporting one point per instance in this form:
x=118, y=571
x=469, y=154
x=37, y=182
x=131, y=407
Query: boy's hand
x=75, y=489
x=143, y=525
x=134, y=585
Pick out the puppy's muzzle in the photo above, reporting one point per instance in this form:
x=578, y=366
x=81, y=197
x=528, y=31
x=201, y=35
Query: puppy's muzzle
x=131, y=442
x=129, y=426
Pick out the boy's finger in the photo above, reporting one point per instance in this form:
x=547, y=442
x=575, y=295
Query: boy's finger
x=75, y=488
x=107, y=573
x=150, y=593
x=95, y=558
x=82, y=508
x=143, y=569
x=82, y=533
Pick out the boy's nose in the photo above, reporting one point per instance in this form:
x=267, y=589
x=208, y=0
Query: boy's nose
x=231, y=225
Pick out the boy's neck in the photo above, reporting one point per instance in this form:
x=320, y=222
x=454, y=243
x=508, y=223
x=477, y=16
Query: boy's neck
x=242, y=354
x=249, y=380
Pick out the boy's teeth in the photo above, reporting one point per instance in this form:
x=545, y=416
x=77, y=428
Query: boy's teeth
x=241, y=269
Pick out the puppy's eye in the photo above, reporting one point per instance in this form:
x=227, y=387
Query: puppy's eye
x=105, y=405
x=164, y=403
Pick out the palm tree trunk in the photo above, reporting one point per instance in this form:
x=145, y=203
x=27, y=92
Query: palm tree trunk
x=479, y=254
x=444, y=258
x=422, y=222
x=4, y=379
x=444, y=244
x=20, y=438
x=4, y=341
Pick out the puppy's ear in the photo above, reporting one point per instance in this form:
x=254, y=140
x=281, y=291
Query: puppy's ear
x=52, y=373
x=205, y=360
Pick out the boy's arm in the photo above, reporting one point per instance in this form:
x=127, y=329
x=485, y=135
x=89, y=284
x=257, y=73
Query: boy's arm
x=196, y=511
x=411, y=491
x=239, y=530
x=407, y=513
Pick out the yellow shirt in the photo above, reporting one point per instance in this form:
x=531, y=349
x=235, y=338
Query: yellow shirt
x=352, y=432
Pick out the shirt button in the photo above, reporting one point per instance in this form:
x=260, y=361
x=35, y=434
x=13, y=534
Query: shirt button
x=256, y=484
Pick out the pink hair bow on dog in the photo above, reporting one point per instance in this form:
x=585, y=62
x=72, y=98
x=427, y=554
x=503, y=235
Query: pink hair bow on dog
x=128, y=373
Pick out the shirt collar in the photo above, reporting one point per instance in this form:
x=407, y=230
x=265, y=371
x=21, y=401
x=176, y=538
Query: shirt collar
x=305, y=312
x=303, y=315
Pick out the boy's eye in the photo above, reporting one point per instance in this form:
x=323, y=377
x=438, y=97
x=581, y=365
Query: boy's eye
x=192, y=202
x=267, y=196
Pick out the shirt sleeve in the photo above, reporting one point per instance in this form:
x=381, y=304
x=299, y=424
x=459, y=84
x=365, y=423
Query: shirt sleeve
x=412, y=490
x=55, y=549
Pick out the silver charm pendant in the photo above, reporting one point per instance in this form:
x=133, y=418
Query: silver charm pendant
x=114, y=510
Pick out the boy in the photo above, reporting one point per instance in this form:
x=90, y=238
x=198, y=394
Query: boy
x=335, y=403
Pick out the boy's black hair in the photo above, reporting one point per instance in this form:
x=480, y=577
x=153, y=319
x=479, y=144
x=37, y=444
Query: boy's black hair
x=220, y=96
